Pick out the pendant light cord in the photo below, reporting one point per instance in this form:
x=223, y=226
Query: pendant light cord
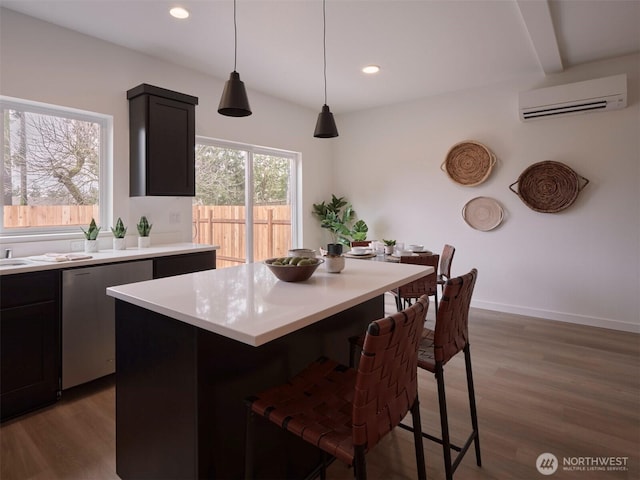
x=324, y=46
x=235, y=37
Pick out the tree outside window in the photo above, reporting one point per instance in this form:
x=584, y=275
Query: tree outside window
x=51, y=168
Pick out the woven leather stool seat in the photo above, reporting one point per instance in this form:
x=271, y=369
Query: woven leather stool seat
x=344, y=411
x=316, y=405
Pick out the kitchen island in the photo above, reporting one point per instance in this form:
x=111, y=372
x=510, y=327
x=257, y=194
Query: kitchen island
x=190, y=348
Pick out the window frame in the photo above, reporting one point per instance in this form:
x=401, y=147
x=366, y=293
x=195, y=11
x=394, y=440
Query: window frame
x=294, y=183
x=105, y=185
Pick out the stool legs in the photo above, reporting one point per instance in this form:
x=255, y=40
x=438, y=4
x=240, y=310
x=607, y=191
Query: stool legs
x=472, y=403
x=417, y=440
x=444, y=422
x=249, y=441
x=359, y=464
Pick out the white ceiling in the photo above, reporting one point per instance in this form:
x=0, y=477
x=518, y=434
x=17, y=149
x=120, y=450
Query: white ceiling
x=424, y=47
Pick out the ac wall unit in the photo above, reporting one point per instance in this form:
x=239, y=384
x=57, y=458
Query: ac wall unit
x=608, y=93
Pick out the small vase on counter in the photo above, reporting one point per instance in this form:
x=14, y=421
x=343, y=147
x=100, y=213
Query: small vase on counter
x=144, y=242
x=334, y=263
x=119, y=243
x=90, y=246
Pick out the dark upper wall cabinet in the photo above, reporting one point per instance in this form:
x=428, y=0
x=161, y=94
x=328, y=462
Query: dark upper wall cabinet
x=162, y=137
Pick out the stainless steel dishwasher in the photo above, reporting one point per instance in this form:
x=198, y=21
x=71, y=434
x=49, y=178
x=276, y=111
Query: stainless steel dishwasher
x=88, y=318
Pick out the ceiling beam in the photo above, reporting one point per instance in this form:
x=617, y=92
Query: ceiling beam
x=537, y=18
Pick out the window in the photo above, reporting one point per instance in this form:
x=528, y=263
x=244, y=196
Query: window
x=245, y=200
x=53, y=167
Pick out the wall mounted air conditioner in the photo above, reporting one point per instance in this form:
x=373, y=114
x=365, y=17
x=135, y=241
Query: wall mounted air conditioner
x=608, y=93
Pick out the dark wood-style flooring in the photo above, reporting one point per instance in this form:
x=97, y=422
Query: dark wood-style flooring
x=541, y=386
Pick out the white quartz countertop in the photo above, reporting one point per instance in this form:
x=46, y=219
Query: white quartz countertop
x=106, y=256
x=249, y=304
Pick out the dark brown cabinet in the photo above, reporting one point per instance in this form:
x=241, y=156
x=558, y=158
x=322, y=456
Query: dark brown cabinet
x=179, y=264
x=161, y=142
x=31, y=326
x=29, y=341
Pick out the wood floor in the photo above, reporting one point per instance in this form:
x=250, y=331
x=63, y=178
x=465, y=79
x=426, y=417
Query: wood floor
x=541, y=386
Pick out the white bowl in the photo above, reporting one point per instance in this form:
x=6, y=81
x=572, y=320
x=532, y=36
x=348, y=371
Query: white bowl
x=416, y=248
x=360, y=250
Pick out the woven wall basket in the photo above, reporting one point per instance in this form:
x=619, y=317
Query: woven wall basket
x=468, y=163
x=483, y=213
x=548, y=186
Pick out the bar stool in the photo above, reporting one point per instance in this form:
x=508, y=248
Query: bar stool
x=438, y=346
x=404, y=295
x=343, y=411
x=427, y=285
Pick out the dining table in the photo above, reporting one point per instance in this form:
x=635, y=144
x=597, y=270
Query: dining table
x=383, y=257
x=191, y=348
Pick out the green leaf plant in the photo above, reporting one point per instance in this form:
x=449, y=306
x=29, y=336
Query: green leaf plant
x=92, y=232
x=144, y=227
x=339, y=218
x=119, y=231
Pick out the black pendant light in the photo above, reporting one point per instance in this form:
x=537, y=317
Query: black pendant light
x=234, y=101
x=326, y=125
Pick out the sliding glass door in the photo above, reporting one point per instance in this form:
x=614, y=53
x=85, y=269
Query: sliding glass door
x=245, y=200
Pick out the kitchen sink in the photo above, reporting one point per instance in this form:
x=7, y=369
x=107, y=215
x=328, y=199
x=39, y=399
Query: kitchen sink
x=5, y=262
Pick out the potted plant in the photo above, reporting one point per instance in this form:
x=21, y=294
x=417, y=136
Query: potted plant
x=144, y=228
x=91, y=237
x=388, y=246
x=337, y=216
x=119, y=231
x=359, y=231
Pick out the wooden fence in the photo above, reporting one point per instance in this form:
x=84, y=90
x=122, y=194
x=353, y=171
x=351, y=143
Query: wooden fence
x=22, y=216
x=225, y=226
x=214, y=225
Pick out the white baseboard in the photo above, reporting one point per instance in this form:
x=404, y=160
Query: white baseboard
x=559, y=316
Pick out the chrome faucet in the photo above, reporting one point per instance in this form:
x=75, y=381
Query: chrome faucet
x=8, y=253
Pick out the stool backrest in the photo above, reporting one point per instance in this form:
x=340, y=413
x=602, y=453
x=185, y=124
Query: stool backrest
x=426, y=285
x=445, y=261
x=452, y=321
x=387, y=382
x=360, y=243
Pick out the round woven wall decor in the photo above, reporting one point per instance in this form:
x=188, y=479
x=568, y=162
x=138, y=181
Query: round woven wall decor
x=548, y=186
x=468, y=163
x=483, y=213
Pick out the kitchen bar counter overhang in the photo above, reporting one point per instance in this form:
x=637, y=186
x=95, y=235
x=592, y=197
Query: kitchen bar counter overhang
x=249, y=304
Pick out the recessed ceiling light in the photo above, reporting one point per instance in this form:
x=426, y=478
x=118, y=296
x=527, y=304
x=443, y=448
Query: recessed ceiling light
x=179, y=12
x=371, y=69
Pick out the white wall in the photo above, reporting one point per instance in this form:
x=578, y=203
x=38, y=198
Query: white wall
x=579, y=265
x=46, y=63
